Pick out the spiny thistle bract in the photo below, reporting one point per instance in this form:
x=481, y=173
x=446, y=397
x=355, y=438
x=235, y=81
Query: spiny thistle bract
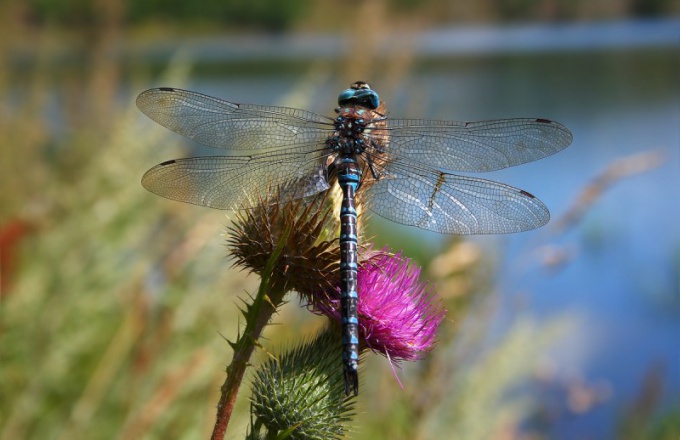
x=302, y=393
x=310, y=257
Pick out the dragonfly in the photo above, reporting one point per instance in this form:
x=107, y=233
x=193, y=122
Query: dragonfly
x=402, y=169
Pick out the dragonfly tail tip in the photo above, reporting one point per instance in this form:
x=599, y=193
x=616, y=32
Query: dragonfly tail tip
x=351, y=382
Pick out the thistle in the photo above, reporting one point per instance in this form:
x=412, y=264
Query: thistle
x=286, y=245
x=309, y=252
x=293, y=246
x=398, y=315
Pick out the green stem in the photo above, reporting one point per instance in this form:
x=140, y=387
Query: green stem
x=269, y=298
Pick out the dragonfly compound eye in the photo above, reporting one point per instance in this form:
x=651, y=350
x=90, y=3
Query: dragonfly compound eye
x=367, y=98
x=364, y=97
x=346, y=97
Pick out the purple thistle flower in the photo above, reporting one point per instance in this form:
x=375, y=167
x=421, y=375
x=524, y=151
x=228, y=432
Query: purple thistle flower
x=398, y=315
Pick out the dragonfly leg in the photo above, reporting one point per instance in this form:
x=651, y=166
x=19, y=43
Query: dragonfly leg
x=375, y=174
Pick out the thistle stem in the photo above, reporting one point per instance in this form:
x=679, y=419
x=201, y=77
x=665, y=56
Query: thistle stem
x=269, y=298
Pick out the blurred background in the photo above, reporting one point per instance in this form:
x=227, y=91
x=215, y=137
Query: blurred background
x=115, y=302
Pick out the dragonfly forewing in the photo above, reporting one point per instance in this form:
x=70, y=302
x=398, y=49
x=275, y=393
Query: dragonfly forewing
x=222, y=124
x=474, y=146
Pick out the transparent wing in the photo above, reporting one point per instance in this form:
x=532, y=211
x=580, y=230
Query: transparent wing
x=223, y=124
x=451, y=204
x=236, y=182
x=474, y=146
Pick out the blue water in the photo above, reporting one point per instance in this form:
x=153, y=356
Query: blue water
x=623, y=282
x=618, y=100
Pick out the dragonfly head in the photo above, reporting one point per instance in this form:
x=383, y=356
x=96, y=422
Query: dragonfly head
x=361, y=94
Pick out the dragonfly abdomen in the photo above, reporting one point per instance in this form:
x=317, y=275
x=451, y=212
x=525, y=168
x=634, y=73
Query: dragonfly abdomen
x=349, y=177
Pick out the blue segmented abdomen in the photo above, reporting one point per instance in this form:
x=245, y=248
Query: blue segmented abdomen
x=349, y=176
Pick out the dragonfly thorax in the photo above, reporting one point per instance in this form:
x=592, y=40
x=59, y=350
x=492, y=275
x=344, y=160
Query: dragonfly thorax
x=349, y=135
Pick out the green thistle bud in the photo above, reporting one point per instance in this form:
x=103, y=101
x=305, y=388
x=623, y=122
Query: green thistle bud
x=302, y=393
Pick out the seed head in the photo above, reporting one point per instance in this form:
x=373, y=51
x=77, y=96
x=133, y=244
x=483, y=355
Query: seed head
x=310, y=255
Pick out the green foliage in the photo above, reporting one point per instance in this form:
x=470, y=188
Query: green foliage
x=278, y=16
x=269, y=15
x=109, y=324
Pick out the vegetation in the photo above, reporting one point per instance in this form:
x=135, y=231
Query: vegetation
x=116, y=304
x=277, y=16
